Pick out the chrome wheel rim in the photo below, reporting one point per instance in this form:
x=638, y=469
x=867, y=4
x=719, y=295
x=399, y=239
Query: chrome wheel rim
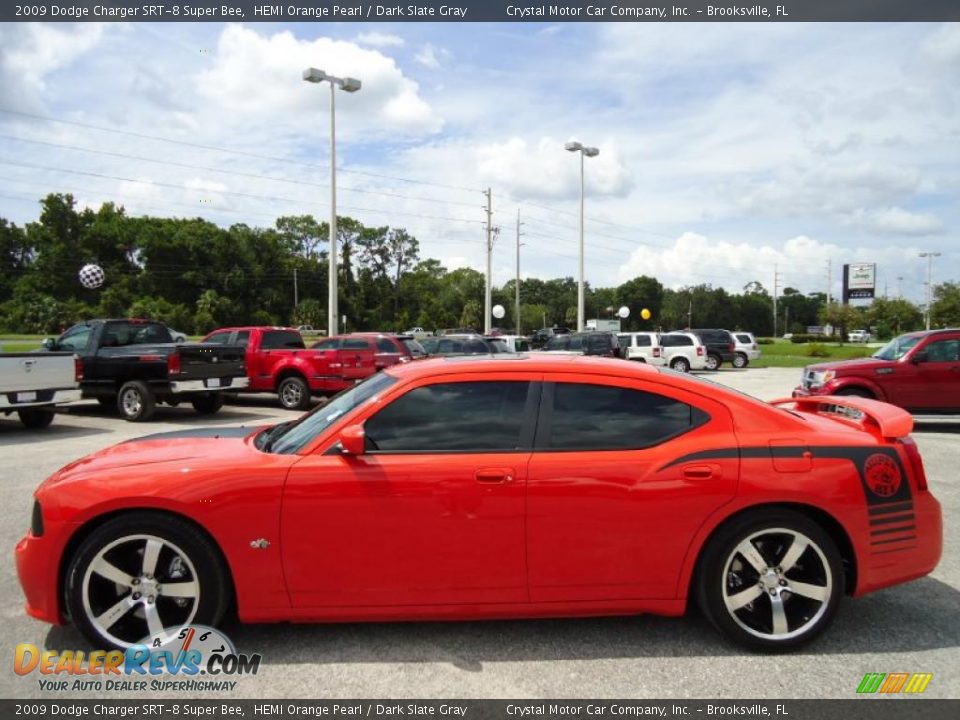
x=291, y=394
x=777, y=584
x=681, y=366
x=739, y=361
x=712, y=363
x=132, y=402
x=138, y=585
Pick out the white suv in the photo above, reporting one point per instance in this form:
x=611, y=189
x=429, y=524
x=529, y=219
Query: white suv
x=747, y=349
x=643, y=347
x=683, y=351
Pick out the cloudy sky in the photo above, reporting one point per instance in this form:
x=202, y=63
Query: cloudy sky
x=725, y=149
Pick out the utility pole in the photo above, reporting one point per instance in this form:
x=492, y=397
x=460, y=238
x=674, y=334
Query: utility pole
x=690, y=312
x=776, y=290
x=929, y=256
x=296, y=296
x=899, y=286
x=487, y=297
x=829, y=278
x=518, y=270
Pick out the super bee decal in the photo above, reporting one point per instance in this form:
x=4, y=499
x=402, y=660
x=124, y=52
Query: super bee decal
x=882, y=477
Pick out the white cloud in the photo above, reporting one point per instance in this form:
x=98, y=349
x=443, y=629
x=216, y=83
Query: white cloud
x=897, y=221
x=380, y=39
x=429, y=57
x=259, y=76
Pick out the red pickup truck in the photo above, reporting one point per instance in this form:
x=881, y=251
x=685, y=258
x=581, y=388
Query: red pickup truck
x=278, y=361
x=918, y=371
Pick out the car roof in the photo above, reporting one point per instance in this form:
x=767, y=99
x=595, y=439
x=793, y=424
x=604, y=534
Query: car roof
x=527, y=362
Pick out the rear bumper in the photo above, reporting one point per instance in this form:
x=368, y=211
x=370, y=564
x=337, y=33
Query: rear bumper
x=883, y=565
x=189, y=386
x=9, y=401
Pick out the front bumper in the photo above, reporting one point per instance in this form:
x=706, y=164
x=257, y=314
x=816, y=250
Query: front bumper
x=209, y=385
x=37, y=569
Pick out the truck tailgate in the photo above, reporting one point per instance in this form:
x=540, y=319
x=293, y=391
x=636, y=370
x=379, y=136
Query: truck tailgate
x=199, y=362
x=23, y=372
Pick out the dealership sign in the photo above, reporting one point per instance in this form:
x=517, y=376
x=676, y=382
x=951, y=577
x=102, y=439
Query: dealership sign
x=859, y=281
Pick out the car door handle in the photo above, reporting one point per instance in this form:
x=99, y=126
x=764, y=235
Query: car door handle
x=494, y=475
x=699, y=472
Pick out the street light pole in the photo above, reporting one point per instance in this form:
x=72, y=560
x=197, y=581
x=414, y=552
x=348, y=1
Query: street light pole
x=347, y=85
x=588, y=152
x=929, y=256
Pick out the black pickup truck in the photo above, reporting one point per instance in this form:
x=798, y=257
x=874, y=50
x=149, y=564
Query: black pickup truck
x=134, y=364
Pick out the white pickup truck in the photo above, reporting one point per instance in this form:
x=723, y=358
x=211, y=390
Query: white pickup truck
x=33, y=384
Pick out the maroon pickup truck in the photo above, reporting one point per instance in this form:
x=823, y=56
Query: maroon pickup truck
x=918, y=371
x=278, y=361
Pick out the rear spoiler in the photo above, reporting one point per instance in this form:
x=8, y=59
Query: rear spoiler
x=892, y=421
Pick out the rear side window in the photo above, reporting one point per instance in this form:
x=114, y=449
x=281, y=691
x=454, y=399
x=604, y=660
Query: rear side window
x=600, y=342
x=243, y=338
x=282, y=340
x=464, y=417
x=744, y=339
x=385, y=345
x=76, y=338
x=328, y=344
x=219, y=338
x=355, y=344
x=476, y=347
x=414, y=348
x=943, y=351
x=642, y=341
x=602, y=417
x=625, y=340
x=559, y=342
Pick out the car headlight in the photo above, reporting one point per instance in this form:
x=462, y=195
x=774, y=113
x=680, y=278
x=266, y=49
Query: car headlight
x=821, y=378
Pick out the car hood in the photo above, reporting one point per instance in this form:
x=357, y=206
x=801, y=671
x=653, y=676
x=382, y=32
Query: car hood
x=858, y=365
x=214, y=445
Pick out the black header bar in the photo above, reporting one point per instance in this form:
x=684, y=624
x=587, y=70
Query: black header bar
x=481, y=11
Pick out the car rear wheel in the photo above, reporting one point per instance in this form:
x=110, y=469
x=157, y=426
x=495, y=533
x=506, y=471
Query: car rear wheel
x=135, y=401
x=140, y=574
x=713, y=362
x=680, y=364
x=740, y=360
x=770, y=580
x=294, y=393
x=208, y=404
x=35, y=418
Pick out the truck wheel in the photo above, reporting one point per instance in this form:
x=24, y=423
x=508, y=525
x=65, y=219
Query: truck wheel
x=294, y=393
x=35, y=418
x=208, y=404
x=135, y=401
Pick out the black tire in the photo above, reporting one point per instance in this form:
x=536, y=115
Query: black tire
x=294, y=393
x=740, y=360
x=108, y=403
x=855, y=392
x=208, y=404
x=128, y=533
x=724, y=576
x=680, y=364
x=35, y=418
x=714, y=361
x=135, y=401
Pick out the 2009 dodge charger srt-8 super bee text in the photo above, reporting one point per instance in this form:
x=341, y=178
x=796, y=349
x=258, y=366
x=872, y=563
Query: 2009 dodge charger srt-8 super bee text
x=494, y=487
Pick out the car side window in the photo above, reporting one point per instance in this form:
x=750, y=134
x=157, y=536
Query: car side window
x=602, y=417
x=76, y=339
x=328, y=344
x=355, y=344
x=281, y=340
x=385, y=345
x=943, y=351
x=628, y=340
x=642, y=341
x=219, y=338
x=243, y=338
x=448, y=417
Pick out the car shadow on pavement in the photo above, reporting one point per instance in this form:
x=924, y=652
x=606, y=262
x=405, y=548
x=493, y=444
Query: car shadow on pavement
x=13, y=433
x=914, y=617
x=185, y=413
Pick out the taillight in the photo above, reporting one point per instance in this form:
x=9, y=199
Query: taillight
x=700, y=351
x=731, y=347
x=173, y=363
x=656, y=352
x=916, y=462
x=754, y=347
x=77, y=369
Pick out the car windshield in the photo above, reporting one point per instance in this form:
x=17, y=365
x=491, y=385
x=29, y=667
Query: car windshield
x=289, y=438
x=897, y=348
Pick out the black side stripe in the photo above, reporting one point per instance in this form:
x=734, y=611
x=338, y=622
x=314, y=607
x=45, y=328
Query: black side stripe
x=908, y=517
x=891, y=508
x=890, y=531
x=907, y=538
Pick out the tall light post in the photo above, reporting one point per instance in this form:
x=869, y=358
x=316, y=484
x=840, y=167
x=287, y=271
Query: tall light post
x=347, y=85
x=929, y=256
x=588, y=152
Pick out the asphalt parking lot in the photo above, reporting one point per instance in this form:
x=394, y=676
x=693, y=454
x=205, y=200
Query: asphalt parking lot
x=910, y=628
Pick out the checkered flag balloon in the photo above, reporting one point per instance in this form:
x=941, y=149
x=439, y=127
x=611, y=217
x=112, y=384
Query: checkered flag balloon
x=92, y=276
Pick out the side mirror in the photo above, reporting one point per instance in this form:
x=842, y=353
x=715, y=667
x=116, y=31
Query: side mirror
x=353, y=440
x=48, y=344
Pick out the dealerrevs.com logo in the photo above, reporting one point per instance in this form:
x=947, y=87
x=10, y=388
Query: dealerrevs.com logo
x=894, y=683
x=189, y=659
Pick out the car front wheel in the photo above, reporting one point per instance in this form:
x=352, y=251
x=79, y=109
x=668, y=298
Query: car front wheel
x=771, y=580
x=294, y=393
x=142, y=576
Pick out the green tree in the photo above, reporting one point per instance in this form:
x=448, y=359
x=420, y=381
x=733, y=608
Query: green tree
x=842, y=317
x=945, y=309
x=890, y=317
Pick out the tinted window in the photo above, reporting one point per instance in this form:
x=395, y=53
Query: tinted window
x=601, y=417
x=329, y=344
x=675, y=340
x=385, y=345
x=282, y=340
x=414, y=348
x=76, y=339
x=942, y=351
x=559, y=342
x=220, y=338
x=745, y=339
x=120, y=334
x=243, y=338
x=469, y=416
x=355, y=344
x=625, y=340
x=600, y=343
x=642, y=341
x=521, y=345
x=476, y=347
